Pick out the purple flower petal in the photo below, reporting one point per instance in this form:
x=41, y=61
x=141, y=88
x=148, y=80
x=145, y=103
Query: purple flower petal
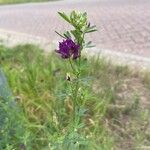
x=68, y=48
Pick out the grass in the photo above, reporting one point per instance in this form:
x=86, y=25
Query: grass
x=116, y=100
x=21, y=1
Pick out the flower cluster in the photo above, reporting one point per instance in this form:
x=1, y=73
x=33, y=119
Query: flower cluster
x=69, y=48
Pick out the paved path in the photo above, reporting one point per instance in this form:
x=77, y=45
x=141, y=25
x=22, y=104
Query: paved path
x=123, y=25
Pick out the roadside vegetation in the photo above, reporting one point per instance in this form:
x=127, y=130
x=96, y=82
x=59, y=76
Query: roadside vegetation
x=21, y=1
x=38, y=115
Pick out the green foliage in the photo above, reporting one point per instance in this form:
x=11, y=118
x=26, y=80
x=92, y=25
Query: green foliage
x=21, y=1
x=43, y=104
x=12, y=129
x=81, y=27
x=76, y=89
x=5, y=92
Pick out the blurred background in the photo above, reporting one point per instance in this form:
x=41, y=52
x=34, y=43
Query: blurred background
x=123, y=25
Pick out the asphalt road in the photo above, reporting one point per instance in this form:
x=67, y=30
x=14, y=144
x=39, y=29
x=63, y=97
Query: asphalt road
x=123, y=25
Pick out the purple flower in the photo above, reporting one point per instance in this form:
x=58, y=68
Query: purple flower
x=68, y=49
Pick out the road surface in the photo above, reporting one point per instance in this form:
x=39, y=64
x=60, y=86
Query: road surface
x=123, y=25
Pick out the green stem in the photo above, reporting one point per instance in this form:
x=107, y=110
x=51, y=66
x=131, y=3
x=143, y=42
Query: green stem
x=75, y=88
x=81, y=48
x=73, y=69
x=76, y=85
x=75, y=98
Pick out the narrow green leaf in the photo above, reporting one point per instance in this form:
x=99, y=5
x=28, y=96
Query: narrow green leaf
x=84, y=14
x=64, y=16
x=89, y=27
x=60, y=35
x=89, y=45
x=88, y=31
x=67, y=34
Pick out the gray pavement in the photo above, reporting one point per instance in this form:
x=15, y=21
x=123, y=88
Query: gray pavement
x=123, y=25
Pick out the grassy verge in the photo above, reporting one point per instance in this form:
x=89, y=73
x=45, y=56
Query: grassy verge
x=117, y=103
x=21, y=1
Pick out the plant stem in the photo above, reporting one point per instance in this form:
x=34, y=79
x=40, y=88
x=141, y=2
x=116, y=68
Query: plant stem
x=73, y=69
x=83, y=35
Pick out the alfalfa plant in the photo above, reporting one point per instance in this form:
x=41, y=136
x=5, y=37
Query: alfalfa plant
x=71, y=49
